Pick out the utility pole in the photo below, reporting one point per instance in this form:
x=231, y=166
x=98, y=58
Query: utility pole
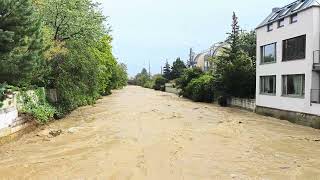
x=161, y=70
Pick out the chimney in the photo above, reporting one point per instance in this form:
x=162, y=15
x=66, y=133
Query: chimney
x=276, y=9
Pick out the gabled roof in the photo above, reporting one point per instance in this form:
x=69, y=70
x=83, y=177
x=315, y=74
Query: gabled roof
x=297, y=6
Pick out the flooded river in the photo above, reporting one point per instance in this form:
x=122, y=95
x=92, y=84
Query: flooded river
x=142, y=134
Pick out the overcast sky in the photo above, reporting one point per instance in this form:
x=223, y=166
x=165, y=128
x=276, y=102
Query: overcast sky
x=157, y=30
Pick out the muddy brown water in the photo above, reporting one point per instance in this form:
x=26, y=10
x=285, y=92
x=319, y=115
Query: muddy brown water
x=141, y=134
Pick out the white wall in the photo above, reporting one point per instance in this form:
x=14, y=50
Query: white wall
x=7, y=117
x=308, y=24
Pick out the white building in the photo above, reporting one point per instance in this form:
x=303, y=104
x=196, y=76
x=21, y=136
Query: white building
x=288, y=71
x=202, y=60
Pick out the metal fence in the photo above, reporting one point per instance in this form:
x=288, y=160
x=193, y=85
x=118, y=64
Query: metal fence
x=315, y=96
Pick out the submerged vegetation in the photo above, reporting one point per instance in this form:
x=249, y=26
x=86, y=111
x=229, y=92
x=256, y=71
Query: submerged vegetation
x=58, y=44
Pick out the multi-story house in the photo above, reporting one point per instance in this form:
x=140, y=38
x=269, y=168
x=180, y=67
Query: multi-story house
x=202, y=60
x=288, y=66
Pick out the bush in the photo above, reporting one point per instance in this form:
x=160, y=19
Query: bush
x=148, y=84
x=159, y=83
x=187, y=76
x=43, y=113
x=223, y=101
x=201, y=89
x=39, y=109
x=2, y=94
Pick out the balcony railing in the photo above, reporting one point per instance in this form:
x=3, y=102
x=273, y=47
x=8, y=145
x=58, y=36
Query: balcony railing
x=315, y=96
x=316, y=60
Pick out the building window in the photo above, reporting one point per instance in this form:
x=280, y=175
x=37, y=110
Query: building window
x=280, y=23
x=293, y=85
x=294, y=48
x=270, y=27
x=268, y=53
x=293, y=18
x=268, y=85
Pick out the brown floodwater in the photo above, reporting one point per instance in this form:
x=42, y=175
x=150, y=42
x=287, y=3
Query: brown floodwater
x=141, y=134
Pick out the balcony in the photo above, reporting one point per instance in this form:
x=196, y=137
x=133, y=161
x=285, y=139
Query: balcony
x=316, y=60
x=315, y=96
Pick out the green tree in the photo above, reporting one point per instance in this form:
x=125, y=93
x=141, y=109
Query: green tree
x=159, y=82
x=248, y=43
x=119, y=77
x=21, y=43
x=107, y=68
x=177, y=68
x=142, y=78
x=187, y=76
x=73, y=19
x=235, y=69
x=167, y=71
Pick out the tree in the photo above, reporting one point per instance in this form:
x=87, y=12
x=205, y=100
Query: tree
x=187, y=76
x=21, y=43
x=74, y=19
x=235, y=69
x=167, y=71
x=119, y=76
x=248, y=44
x=108, y=68
x=177, y=68
x=142, y=78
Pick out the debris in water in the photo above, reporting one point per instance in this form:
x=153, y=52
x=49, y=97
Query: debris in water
x=49, y=133
x=55, y=133
x=73, y=130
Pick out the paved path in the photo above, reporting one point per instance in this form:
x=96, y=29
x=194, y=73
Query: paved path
x=142, y=134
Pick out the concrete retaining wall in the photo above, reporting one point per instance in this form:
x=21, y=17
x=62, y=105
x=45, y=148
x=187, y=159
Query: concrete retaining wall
x=7, y=117
x=249, y=104
x=10, y=122
x=294, y=117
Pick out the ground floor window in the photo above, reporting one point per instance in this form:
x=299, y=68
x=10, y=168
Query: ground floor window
x=268, y=85
x=293, y=85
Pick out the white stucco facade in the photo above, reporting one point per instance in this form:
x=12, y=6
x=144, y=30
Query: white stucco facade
x=308, y=23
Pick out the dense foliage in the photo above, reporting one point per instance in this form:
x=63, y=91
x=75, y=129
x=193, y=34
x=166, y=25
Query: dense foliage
x=235, y=69
x=21, y=43
x=187, y=76
x=177, y=69
x=159, y=82
x=201, y=89
x=68, y=49
x=36, y=105
x=143, y=78
x=167, y=71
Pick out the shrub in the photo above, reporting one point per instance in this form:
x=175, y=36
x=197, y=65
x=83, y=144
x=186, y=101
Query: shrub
x=223, y=101
x=148, y=84
x=38, y=108
x=201, y=89
x=159, y=83
x=2, y=94
x=187, y=76
x=43, y=113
